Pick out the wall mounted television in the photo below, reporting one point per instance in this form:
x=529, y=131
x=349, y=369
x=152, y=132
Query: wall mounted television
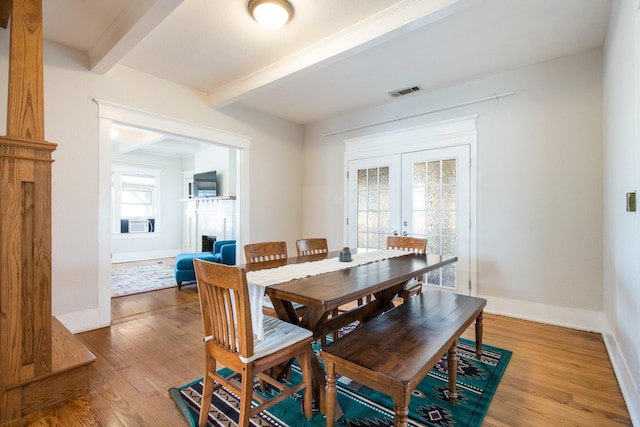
x=205, y=184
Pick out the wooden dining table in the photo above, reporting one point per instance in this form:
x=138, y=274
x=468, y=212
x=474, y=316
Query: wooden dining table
x=324, y=293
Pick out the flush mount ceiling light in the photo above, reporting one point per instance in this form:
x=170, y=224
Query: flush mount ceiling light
x=271, y=14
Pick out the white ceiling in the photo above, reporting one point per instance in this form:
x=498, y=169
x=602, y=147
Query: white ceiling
x=128, y=140
x=333, y=56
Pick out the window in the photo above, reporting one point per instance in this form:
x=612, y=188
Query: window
x=137, y=196
x=134, y=197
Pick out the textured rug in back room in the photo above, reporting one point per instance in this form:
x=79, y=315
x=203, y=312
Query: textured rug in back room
x=141, y=278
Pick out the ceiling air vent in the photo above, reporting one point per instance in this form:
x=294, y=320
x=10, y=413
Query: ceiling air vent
x=406, y=91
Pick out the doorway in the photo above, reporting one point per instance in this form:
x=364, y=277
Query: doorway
x=109, y=114
x=423, y=188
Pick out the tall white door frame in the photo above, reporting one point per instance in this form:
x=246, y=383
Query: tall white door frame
x=109, y=113
x=449, y=133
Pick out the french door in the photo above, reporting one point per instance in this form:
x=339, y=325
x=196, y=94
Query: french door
x=374, y=201
x=421, y=194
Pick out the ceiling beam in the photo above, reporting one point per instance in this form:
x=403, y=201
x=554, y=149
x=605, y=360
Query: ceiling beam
x=142, y=18
x=404, y=16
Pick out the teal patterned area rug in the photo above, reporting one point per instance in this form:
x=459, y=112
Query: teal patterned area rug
x=362, y=406
x=141, y=278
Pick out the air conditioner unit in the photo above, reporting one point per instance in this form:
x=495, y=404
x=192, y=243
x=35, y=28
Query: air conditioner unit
x=137, y=225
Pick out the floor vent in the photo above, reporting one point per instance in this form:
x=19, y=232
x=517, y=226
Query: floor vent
x=406, y=91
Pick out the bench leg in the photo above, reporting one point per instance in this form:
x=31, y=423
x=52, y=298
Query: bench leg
x=330, y=393
x=402, y=414
x=452, y=368
x=479, y=336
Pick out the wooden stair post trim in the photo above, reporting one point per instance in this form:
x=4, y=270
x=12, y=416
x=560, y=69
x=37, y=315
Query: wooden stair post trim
x=25, y=111
x=37, y=365
x=25, y=275
x=40, y=148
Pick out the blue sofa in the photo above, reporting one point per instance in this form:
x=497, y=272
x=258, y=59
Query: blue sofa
x=224, y=252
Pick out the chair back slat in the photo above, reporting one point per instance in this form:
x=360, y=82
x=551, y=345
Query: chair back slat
x=312, y=246
x=224, y=302
x=223, y=324
x=265, y=252
x=408, y=244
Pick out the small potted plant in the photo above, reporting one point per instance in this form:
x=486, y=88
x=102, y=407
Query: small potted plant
x=345, y=254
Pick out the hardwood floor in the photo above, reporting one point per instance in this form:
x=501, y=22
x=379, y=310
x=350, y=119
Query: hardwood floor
x=556, y=376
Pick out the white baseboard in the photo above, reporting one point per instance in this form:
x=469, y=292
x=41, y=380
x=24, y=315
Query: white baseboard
x=143, y=256
x=586, y=320
x=84, y=320
x=624, y=375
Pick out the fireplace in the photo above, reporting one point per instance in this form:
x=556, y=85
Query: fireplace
x=207, y=243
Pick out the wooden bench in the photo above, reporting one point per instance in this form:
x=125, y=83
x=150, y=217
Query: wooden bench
x=395, y=351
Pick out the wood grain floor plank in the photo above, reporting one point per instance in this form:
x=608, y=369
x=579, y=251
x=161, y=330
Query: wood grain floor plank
x=556, y=376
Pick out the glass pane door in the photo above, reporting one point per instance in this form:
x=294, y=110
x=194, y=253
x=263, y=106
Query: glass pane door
x=436, y=207
x=421, y=194
x=374, y=201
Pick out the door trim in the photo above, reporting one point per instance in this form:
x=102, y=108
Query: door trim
x=447, y=133
x=109, y=113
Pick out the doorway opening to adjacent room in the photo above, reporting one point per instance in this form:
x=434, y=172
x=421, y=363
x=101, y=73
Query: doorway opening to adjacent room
x=235, y=177
x=154, y=212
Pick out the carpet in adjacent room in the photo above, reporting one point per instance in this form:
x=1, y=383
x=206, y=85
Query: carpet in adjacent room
x=141, y=278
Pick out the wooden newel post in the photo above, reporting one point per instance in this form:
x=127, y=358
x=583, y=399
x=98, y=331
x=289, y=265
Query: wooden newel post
x=25, y=217
x=25, y=112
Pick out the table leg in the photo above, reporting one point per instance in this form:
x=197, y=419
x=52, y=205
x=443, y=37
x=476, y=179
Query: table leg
x=383, y=301
x=309, y=319
x=479, y=336
x=318, y=384
x=285, y=311
x=331, y=394
x=452, y=367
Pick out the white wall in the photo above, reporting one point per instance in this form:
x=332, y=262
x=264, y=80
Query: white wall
x=621, y=228
x=539, y=239
x=274, y=205
x=166, y=240
x=276, y=178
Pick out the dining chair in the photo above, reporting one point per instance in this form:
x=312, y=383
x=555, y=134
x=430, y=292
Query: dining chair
x=265, y=252
x=269, y=253
x=313, y=246
x=316, y=246
x=230, y=343
x=409, y=244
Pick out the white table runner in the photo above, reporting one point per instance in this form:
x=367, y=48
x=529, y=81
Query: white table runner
x=258, y=280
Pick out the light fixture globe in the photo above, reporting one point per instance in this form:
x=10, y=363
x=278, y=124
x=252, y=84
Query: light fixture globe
x=271, y=14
